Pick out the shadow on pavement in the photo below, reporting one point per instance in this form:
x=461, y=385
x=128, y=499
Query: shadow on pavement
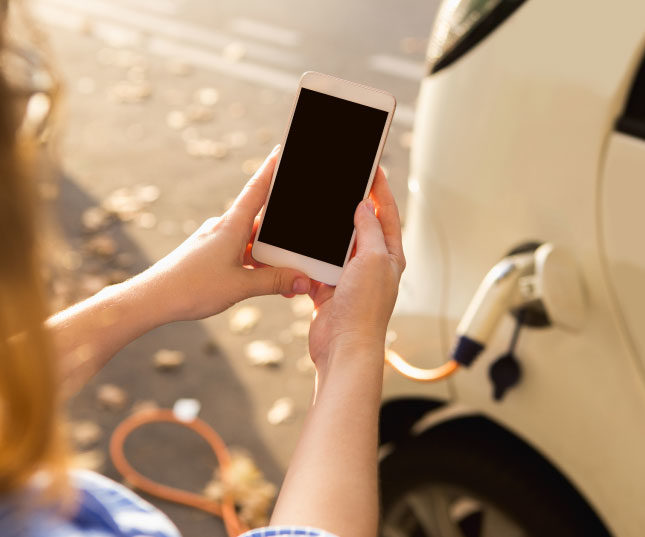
x=164, y=452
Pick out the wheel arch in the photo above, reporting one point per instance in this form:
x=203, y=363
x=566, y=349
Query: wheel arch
x=403, y=422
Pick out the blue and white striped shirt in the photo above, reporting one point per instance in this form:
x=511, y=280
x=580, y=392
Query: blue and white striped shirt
x=105, y=509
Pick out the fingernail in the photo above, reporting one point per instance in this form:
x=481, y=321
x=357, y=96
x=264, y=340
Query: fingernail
x=369, y=205
x=300, y=286
x=275, y=149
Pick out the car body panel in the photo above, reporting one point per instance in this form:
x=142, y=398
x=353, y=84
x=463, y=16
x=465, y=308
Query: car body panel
x=509, y=146
x=622, y=220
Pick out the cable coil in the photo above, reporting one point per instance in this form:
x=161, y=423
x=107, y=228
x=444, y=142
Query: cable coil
x=225, y=509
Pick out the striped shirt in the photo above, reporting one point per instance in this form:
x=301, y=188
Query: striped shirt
x=105, y=509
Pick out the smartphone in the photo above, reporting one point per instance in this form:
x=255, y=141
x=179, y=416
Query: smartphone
x=326, y=166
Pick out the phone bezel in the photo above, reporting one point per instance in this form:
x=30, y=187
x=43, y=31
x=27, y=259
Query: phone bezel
x=344, y=89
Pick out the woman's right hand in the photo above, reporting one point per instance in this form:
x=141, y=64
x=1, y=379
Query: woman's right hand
x=354, y=315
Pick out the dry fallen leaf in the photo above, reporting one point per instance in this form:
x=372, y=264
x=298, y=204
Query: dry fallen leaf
x=145, y=405
x=89, y=460
x=281, y=411
x=246, y=485
x=236, y=139
x=244, y=319
x=176, y=119
x=264, y=135
x=146, y=220
x=102, y=245
x=250, y=166
x=186, y=409
x=168, y=360
x=70, y=260
x=234, y=51
x=264, y=352
x=199, y=113
x=124, y=260
x=205, y=147
x=126, y=202
x=111, y=397
x=146, y=193
x=207, y=96
x=128, y=92
x=122, y=203
x=92, y=283
x=189, y=226
x=117, y=276
x=85, y=433
x=95, y=219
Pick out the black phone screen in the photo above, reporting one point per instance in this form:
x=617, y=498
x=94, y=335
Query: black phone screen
x=325, y=166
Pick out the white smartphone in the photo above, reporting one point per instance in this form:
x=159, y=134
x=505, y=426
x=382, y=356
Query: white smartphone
x=326, y=166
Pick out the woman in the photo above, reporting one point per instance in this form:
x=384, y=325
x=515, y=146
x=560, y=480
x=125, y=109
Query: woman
x=331, y=481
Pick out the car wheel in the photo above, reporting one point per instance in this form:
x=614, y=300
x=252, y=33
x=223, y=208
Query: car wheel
x=469, y=484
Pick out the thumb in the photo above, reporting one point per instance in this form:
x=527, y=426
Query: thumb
x=369, y=234
x=274, y=280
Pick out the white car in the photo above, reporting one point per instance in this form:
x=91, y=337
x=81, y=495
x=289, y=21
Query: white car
x=529, y=131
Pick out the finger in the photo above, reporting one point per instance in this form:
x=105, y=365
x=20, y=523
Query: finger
x=249, y=202
x=369, y=235
x=247, y=259
x=274, y=280
x=388, y=214
x=320, y=293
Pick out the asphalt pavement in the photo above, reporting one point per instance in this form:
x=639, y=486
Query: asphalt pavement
x=185, y=98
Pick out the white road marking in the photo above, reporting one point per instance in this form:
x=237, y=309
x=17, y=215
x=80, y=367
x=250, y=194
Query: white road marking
x=168, y=46
x=56, y=17
x=116, y=35
x=160, y=25
x=268, y=32
x=167, y=7
x=244, y=70
x=395, y=66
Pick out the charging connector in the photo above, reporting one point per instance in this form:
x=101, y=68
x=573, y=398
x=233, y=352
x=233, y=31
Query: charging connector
x=545, y=276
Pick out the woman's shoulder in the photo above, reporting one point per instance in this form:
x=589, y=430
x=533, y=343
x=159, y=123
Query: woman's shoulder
x=113, y=507
x=102, y=508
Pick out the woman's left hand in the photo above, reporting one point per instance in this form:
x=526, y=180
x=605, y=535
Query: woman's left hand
x=213, y=268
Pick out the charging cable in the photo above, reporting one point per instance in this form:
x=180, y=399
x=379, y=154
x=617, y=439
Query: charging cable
x=499, y=292
x=225, y=509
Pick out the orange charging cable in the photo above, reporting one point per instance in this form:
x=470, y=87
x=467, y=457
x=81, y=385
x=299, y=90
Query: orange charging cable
x=400, y=365
x=225, y=509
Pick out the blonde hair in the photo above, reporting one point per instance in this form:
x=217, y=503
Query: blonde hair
x=30, y=436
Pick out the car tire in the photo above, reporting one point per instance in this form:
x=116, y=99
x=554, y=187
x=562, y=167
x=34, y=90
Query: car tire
x=493, y=470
